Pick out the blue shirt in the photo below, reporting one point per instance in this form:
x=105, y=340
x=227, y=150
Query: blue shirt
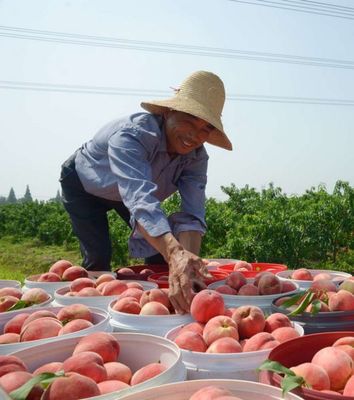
x=127, y=161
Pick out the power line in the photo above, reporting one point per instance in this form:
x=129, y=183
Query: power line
x=303, y=8
x=163, y=47
x=119, y=91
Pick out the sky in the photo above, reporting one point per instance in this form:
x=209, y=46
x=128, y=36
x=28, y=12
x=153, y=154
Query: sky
x=296, y=146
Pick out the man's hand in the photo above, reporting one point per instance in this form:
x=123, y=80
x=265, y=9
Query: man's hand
x=187, y=272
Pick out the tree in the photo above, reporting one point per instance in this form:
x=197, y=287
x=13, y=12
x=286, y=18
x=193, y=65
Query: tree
x=11, y=198
x=27, y=197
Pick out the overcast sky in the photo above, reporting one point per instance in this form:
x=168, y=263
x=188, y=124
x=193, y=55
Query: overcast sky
x=153, y=45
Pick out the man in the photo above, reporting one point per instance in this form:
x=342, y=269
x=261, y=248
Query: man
x=132, y=165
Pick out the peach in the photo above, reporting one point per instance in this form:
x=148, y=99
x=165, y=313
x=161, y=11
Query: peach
x=322, y=275
x=11, y=291
x=154, y=308
x=249, y=319
x=86, y=363
x=269, y=284
x=226, y=289
x=347, y=349
x=53, y=367
x=74, y=311
x=281, y=300
x=218, y=327
x=248, y=290
x=42, y=328
x=81, y=283
x=207, y=304
x=38, y=314
x=72, y=386
x=344, y=340
x=193, y=327
x=285, y=333
x=88, y=292
x=115, y=287
x=337, y=363
x=105, y=278
x=49, y=277
x=101, y=286
x=236, y=280
x=287, y=286
x=118, y=371
x=110, y=386
x=243, y=266
x=276, y=320
x=102, y=343
x=132, y=292
x=127, y=305
x=147, y=372
x=60, y=266
x=146, y=271
x=135, y=285
x=189, y=340
x=347, y=285
x=74, y=272
x=314, y=375
x=75, y=325
x=211, y=392
x=14, y=380
x=11, y=364
x=35, y=296
x=260, y=341
x=224, y=345
x=341, y=301
x=7, y=338
x=14, y=325
x=259, y=276
x=6, y=302
x=323, y=307
x=126, y=271
x=349, y=387
x=323, y=285
x=155, y=295
x=302, y=274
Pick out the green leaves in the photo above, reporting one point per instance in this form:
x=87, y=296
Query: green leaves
x=19, y=305
x=302, y=300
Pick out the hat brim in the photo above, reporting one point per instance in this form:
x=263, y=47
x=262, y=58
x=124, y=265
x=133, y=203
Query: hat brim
x=217, y=137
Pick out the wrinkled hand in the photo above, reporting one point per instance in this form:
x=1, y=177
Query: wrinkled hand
x=186, y=272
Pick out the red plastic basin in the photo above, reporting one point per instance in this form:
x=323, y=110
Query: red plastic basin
x=138, y=268
x=256, y=268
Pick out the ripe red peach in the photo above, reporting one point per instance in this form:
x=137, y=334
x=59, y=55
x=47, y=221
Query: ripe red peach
x=14, y=380
x=14, y=325
x=347, y=285
x=287, y=286
x=105, y=278
x=211, y=392
x=189, y=340
x=38, y=314
x=314, y=375
x=10, y=291
x=349, y=387
x=49, y=277
x=118, y=371
x=7, y=338
x=218, y=327
x=155, y=295
x=337, y=363
x=302, y=274
x=235, y=280
x=115, y=287
x=11, y=364
x=88, y=292
x=74, y=311
x=81, y=283
x=207, y=304
x=110, y=386
x=281, y=300
x=276, y=320
x=86, y=363
x=347, y=349
x=147, y=372
x=259, y=276
x=193, y=327
x=53, y=367
x=249, y=319
x=260, y=341
x=323, y=307
x=60, y=266
x=75, y=325
x=146, y=271
x=41, y=328
x=323, y=285
x=285, y=333
x=344, y=340
x=71, y=386
x=248, y=290
x=154, y=308
x=126, y=271
x=269, y=284
x=224, y=345
x=243, y=266
x=132, y=292
x=74, y=272
x=35, y=296
x=135, y=285
x=127, y=305
x=102, y=343
x=341, y=301
x=6, y=302
x=322, y=275
x=226, y=289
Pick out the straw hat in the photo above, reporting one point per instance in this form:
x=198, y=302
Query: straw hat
x=201, y=94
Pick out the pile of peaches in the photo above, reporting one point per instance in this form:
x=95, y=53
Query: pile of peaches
x=93, y=369
x=13, y=298
x=44, y=324
x=233, y=330
x=264, y=283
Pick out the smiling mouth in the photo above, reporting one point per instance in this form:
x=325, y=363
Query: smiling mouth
x=187, y=144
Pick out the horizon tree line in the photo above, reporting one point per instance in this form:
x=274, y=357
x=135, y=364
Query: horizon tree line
x=27, y=197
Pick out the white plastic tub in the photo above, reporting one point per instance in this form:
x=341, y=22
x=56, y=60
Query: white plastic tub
x=152, y=324
x=136, y=351
x=264, y=302
x=223, y=365
x=10, y=283
x=100, y=323
x=337, y=277
x=49, y=287
x=183, y=390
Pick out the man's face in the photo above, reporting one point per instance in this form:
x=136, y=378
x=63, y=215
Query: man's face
x=185, y=132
